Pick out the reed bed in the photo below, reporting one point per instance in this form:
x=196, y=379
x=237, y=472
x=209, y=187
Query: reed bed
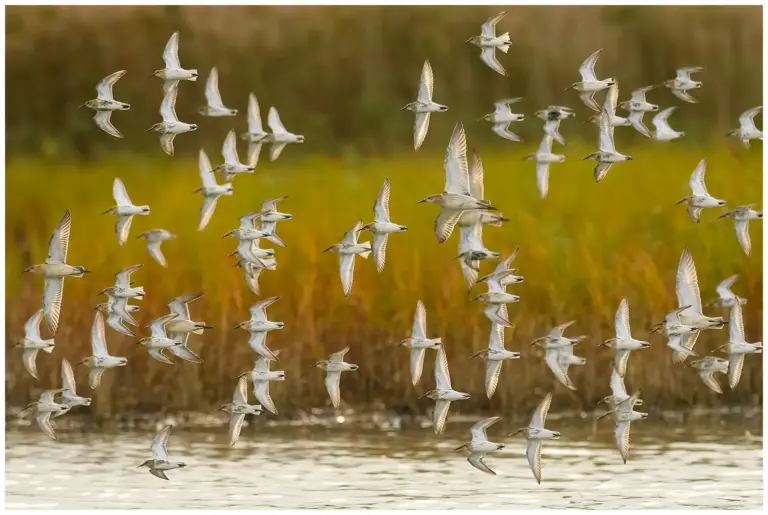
x=581, y=250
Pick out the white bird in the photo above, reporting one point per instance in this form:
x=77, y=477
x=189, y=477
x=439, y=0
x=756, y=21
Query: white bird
x=747, y=129
x=170, y=126
x=479, y=446
x=180, y=327
x=552, y=116
x=682, y=83
x=232, y=165
x=44, y=408
x=105, y=103
x=69, y=395
x=610, y=105
x=477, y=190
x=700, y=198
x=502, y=273
x=497, y=298
x=607, y=154
x=707, y=366
x=535, y=433
x=663, y=131
x=619, y=396
x=280, y=137
x=424, y=106
x=418, y=342
x=623, y=344
x=554, y=343
x=173, y=72
x=543, y=157
x=122, y=287
x=472, y=251
x=333, y=367
x=117, y=311
x=503, y=116
x=726, y=298
x=737, y=346
x=155, y=238
x=488, y=42
x=54, y=270
x=258, y=325
x=261, y=376
x=211, y=190
x=100, y=360
x=637, y=107
x=158, y=341
x=381, y=226
x=689, y=296
x=124, y=210
x=256, y=134
x=160, y=463
x=457, y=195
x=214, y=106
x=443, y=394
x=33, y=342
x=493, y=356
x=741, y=217
x=238, y=409
x=590, y=84
x=347, y=249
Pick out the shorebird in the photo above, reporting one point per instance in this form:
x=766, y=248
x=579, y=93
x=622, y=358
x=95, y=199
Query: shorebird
x=418, y=342
x=741, y=217
x=503, y=116
x=493, y=356
x=124, y=210
x=610, y=104
x=158, y=341
x=535, y=433
x=232, y=165
x=677, y=333
x=619, y=395
x=117, y=311
x=496, y=298
x=424, y=106
x=247, y=230
x=700, y=197
x=122, y=287
x=238, y=409
x=256, y=135
x=543, y=157
x=443, y=394
x=477, y=190
x=180, y=327
x=170, y=126
x=472, y=251
x=259, y=326
x=251, y=252
x=251, y=274
x=590, y=84
x=69, y=395
x=44, y=408
x=623, y=344
x=488, y=42
x=663, y=131
x=381, y=226
x=682, y=83
x=154, y=238
x=456, y=196
x=105, y=103
x=637, y=107
x=689, y=298
x=333, y=367
x=726, y=298
x=160, y=463
x=747, y=129
x=607, y=154
x=32, y=342
x=54, y=270
x=173, y=72
x=552, y=116
x=261, y=376
x=347, y=249
x=479, y=446
x=707, y=366
x=280, y=137
x=623, y=416
x=210, y=190
x=559, y=352
x=100, y=360
x=737, y=346
x=269, y=218
x=214, y=106
x=502, y=273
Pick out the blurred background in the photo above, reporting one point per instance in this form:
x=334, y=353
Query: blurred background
x=339, y=76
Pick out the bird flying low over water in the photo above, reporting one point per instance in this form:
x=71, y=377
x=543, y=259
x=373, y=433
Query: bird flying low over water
x=535, y=433
x=479, y=446
x=160, y=463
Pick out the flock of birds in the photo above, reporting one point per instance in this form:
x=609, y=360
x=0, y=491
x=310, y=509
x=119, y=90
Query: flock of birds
x=461, y=203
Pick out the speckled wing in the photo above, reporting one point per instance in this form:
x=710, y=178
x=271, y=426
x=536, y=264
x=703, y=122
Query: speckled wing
x=621, y=432
x=332, y=384
x=476, y=460
x=742, y=233
x=533, y=452
x=53, y=293
x=261, y=392
x=235, y=426
x=492, y=373
x=43, y=420
x=417, y=364
x=103, y=120
x=439, y=415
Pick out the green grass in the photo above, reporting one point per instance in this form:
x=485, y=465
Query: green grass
x=581, y=250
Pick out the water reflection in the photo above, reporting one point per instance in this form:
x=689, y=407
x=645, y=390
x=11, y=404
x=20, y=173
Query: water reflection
x=344, y=468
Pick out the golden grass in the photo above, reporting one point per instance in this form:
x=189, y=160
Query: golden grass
x=582, y=249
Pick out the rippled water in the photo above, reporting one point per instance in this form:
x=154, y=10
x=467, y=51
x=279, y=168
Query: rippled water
x=346, y=468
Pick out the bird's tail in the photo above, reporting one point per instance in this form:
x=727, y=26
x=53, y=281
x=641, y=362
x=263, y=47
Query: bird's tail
x=50, y=348
x=507, y=40
x=193, y=79
x=436, y=340
x=366, y=245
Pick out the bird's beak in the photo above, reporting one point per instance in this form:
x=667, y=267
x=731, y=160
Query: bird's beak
x=421, y=201
x=107, y=211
